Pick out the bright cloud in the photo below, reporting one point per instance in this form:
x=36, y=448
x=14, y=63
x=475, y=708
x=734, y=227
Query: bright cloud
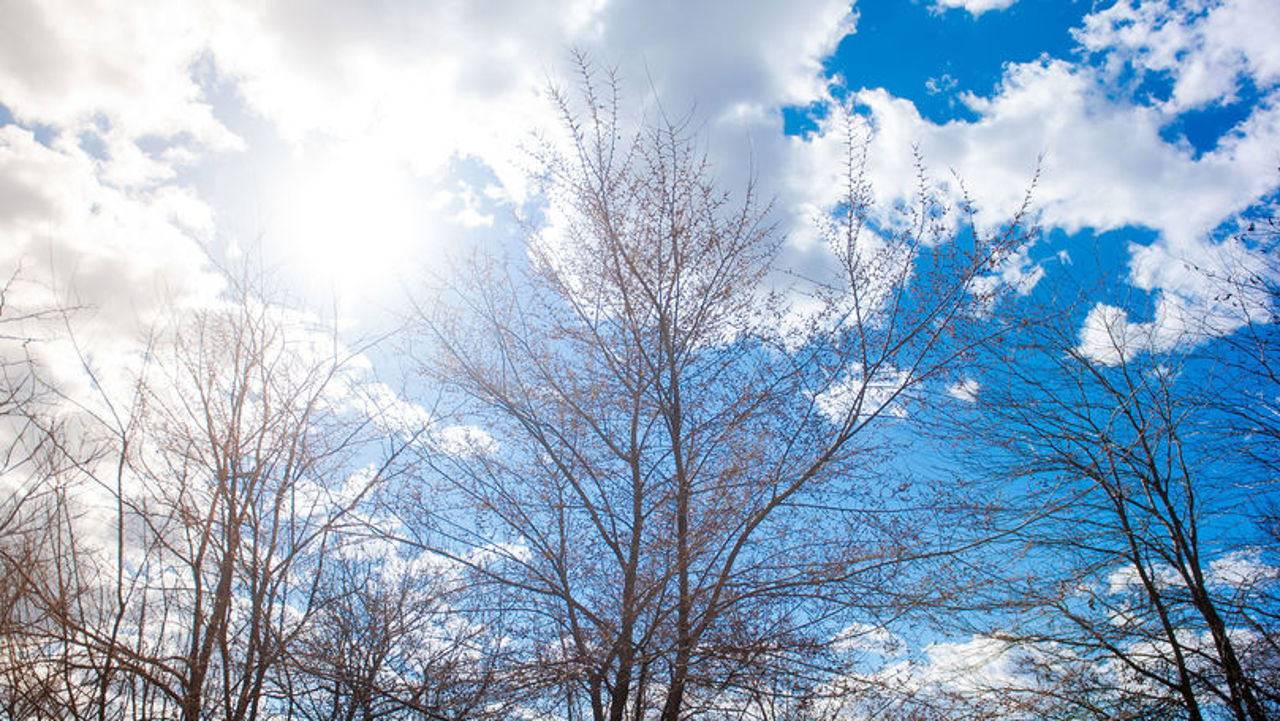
x=1108, y=336
x=965, y=390
x=1243, y=570
x=465, y=441
x=974, y=7
x=132, y=70
x=1209, y=48
x=859, y=395
x=868, y=638
x=442, y=79
x=1103, y=164
x=160, y=89
x=117, y=257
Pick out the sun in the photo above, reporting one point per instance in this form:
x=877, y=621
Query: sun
x=346, y=219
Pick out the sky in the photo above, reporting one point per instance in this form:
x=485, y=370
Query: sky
x=350, y=146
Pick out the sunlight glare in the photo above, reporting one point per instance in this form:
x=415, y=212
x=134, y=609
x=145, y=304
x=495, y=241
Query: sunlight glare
x=345, y=222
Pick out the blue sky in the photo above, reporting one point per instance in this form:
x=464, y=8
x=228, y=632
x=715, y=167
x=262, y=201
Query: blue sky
x=930, y=56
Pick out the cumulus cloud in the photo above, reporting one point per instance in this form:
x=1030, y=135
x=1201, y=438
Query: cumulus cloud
x=439, y=80
x=73, y=62
x=1209, y=48
x=1192, y=303
x=1242, y=570
x=465, y=441
x=118, y=256
x=965, y=389
x=1016, y=273
x=110, y=76
x=868, y=638
x=1100, y=160
x=859, y=395
x=1103, y=163
x=432, y=82
x=1125, y=579
x=973, y=7
x=392, y=413
x=980, y=662
x=984, y=674
x=1108, y=337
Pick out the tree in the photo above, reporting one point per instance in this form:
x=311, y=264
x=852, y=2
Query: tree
x=387, y=643
x=1124, y=495
x=34, y=508
x=677, y=498
x=234, y=459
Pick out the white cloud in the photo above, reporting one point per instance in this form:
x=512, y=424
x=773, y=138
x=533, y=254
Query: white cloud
x=973, y=7
x=465, y=441
x=981, y=662
x=868, y=638
x=461, y=205
x=859, y=396
x=425, y=84
x=121, y=256
x=965, y=389
x=722, y=55
x=1125, y=579
x=1104, y=163
x=1242, y=570
x=942, y=84
x=986, y=675
x=1209, y=48
x=118, y=72
x=389, y=409
x=1016, y=273
x=437, y=80
x=430, y=80
x=1108, y=337
x=1192, y=304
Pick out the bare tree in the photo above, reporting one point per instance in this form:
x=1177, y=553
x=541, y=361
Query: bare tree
x=1124, y=492
x=34, y=508
x=241, y=450
x=677, y=499
x=388, y=644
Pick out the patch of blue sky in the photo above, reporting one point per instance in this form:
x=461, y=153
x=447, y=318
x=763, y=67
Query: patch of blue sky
x=1263, y=214
x=1202, y=129
x=1094, y=264
x=44, y=134
x=931, y=57
x=93, y=144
